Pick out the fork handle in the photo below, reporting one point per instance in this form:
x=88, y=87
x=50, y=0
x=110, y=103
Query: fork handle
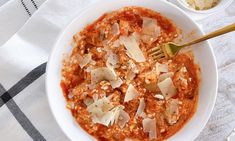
x=216, y=33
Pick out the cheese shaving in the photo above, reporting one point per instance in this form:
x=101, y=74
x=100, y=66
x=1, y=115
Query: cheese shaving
x=115, y=29
x=132, y=66
x=150, y=30
x=102, y=73
x=131, y=93
x=130, y=76
x=112, y=59
x=83, y=61
x=164, y=76
x=103, y=103
x=88, y=101
x=149, y=125
x=132, y=71
x=132, y=47
x=161, y=68
x=167, y=88
x=140, y=111
x=123, y=118
x=150, y=27
x=107, y=118
x=172, y=111
x=116, y=83
x=100, y=111
x=136, y=35
x=116, y=43
x=159, y=96
x=103, y=112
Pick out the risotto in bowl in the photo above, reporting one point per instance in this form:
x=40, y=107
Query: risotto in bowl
x=102, y=84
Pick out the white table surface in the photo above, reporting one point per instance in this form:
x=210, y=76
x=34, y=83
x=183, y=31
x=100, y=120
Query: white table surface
x=222, y=120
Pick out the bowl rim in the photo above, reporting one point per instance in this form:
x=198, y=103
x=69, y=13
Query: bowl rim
x=84, y=10
x=215, y=9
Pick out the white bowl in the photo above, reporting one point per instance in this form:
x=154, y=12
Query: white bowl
x=221, y=5
x=203, y=55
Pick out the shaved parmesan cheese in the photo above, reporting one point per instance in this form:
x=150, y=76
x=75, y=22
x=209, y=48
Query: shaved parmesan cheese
x=100, y=111
x=88, y=101
x=83, y=61
x=132, y=66
x=107, y=118
x=132, y=71
x=136, y=36
x=102, y=73
x=130, y=76
x=112, y=58
x=140, y=111
x=131, y=93
x=103, y=112
x=123, y=118
x=115, y=29
x=164, y=76
x=116, y=43
x=116, y=83
x=117, y=112
x=159, y=96
x=150, y=30
x=95, y=97
x=172, y=111
x=161, y=68
x=150, y=27
x=96, y=114
x=128, y=54
x=103, y=104
x=148, y=39
x=132, y=47
x=149, y=125
x=88, y=69
x=119, y=116
x=167, y=88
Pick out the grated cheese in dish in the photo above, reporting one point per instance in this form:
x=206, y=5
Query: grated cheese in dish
x=202, y=4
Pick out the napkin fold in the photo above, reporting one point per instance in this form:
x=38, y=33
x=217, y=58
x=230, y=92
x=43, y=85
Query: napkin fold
x=13, y=15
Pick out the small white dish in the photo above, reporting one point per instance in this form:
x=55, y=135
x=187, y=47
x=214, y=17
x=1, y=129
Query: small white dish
x=201, y=14
x=203, y=55
x=221, y=5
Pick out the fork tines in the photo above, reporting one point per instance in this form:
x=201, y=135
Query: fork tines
x=156, y=53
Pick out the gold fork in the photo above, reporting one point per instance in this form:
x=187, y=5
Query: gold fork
x=170, y=49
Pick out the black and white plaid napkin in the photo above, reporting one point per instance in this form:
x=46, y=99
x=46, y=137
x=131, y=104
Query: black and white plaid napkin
x=14, y=14
x=24, y=110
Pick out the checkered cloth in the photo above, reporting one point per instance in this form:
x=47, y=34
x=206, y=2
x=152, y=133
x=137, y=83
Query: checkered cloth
x=24, y=110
